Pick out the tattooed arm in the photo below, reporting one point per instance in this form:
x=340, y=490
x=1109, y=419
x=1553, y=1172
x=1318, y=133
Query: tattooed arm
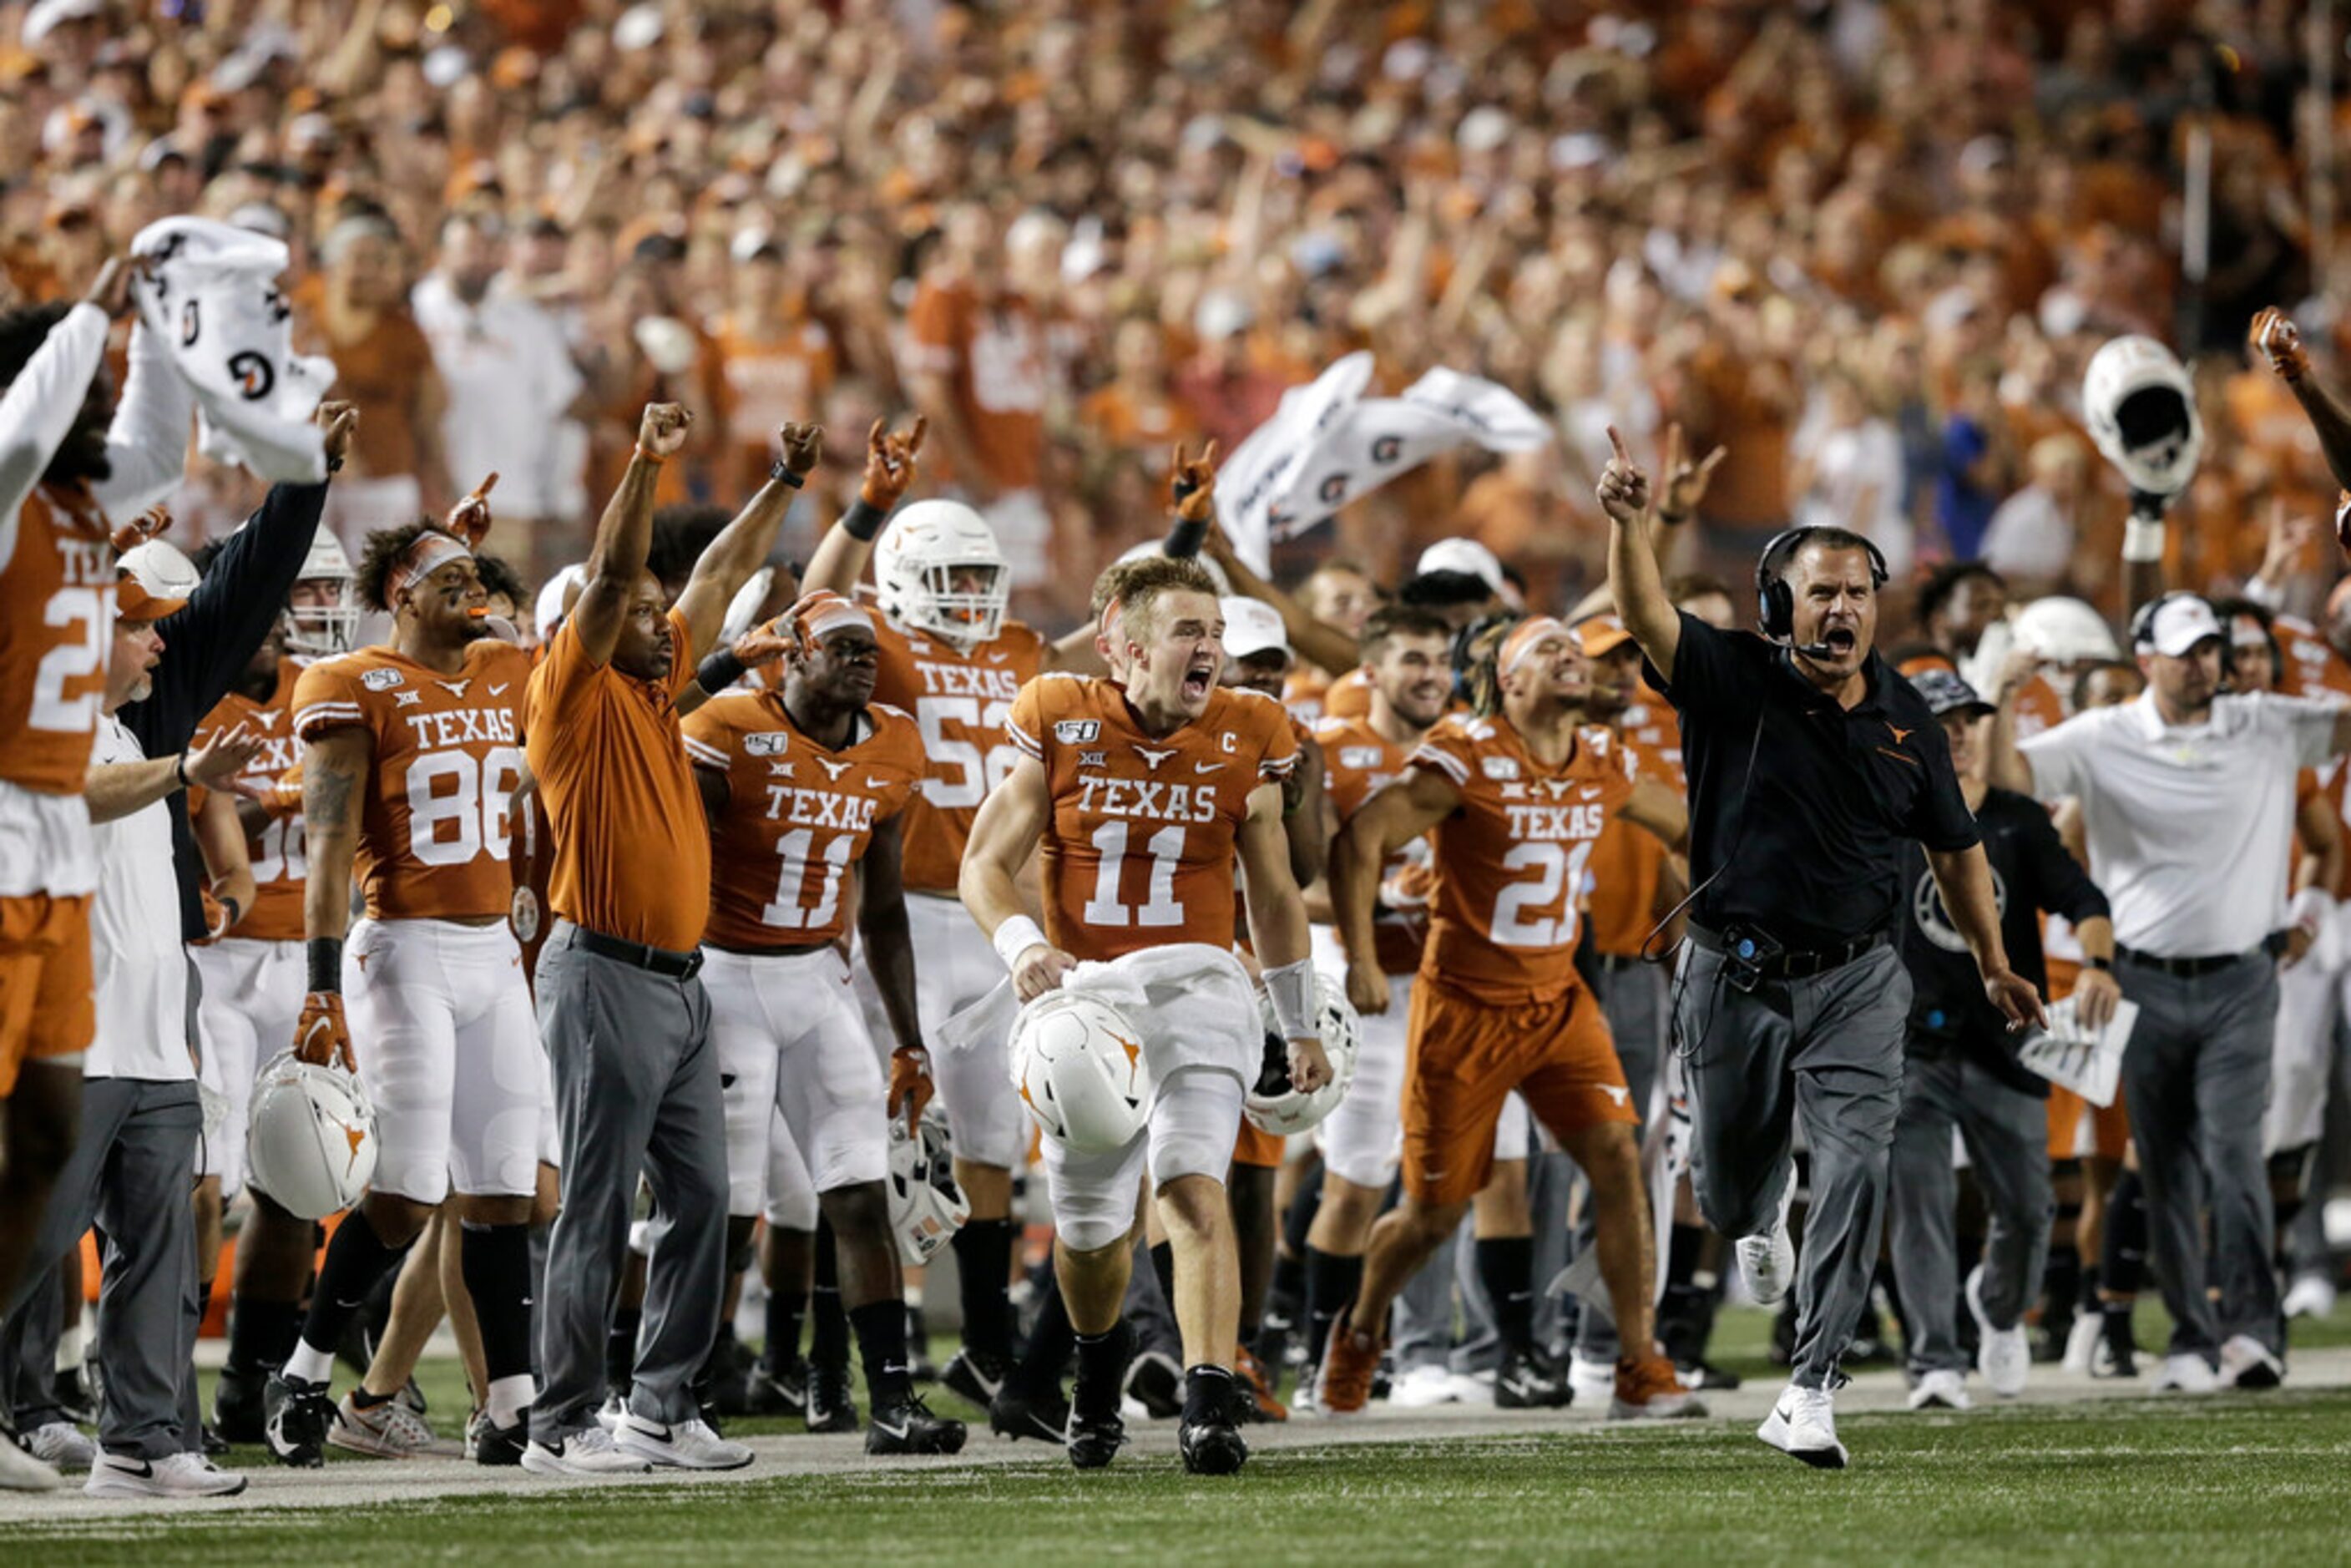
x=334, y=768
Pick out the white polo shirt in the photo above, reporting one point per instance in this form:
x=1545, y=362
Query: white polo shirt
x=2191, y=829
x=135, y=952
x=508, y=373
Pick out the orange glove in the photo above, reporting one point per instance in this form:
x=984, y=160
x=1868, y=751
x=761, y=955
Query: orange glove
x=2274, y=334
x=282, y=796
x=890, y=463
x=1193, y=481
x=763, y=644
x=322, y=1037
x=910, y=1082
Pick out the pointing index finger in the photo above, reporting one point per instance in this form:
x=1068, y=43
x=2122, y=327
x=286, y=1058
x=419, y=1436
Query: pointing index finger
x=1618, y=442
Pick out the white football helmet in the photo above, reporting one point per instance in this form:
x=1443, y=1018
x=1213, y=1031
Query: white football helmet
x=321, y=631
x=2062, y=631
x=927, y=1208
x=1272, y=1105
x=310, y=1137
x=2140, y=408
x=743, y=613
x=1079, y=1066
x=915, y=564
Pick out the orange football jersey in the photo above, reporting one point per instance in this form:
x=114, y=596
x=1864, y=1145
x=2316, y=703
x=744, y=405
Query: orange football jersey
x=797, y=818
x=56, y=629
x=1358, y=762
x=2312, y=666
x=1651, y=727
x=1303, y=691
x=276, y=851
x=1511, y=860
x=1627, y=865
x=960, y=703
x=435, y=824
x=1349, y=696
x=1140, y=851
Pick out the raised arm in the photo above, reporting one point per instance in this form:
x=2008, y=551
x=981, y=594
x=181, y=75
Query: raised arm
x=2274, y=334
x=841, y=558
x=742, y=546
x=1633, y=578
x=624, y=534
x=1381, y=826
x=1004, y=837
x=40, y=405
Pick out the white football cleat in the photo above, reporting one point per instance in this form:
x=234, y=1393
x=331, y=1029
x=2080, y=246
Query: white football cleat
x=2312, y=1296
x=1803, y=1426
x=61, y=1444
x=19, y=1471
x=2185, y=1373
x=687, y=1444
x=1592, y=1381
x=2082, y=1344
x=1940, y=1390
x=1423, y=1386
x=1768, y=1259
x=2245, y=1363
x=586, y=1453
x=2003, y=1355
x=174, y=1474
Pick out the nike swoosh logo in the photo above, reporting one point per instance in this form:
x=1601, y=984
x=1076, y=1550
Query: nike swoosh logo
x=1207, y=767
x=890, y=1431
x=499, y=689
x=1587, y=792
x=877, y=783
x=997, y=658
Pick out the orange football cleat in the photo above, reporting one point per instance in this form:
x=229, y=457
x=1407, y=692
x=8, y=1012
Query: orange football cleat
x=1350, y=1362
x=1258, y=1383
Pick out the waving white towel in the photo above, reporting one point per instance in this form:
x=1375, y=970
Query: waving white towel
x=210, y=296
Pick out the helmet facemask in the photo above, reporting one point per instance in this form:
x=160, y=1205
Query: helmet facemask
x=931, y=602
x=322, y=630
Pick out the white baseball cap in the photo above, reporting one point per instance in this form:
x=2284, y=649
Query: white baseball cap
x=1252, y=626
x=1464, y=556
x=47, y=15
x=2180, y=621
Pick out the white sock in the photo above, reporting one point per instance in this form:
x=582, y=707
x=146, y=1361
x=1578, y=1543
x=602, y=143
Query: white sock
x=510, y=1398
x=311, y=1364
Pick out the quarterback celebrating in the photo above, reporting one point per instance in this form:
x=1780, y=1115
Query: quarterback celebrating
x=1142, y=796
x=1515, y=801
x=818, y=777
x=411, y=755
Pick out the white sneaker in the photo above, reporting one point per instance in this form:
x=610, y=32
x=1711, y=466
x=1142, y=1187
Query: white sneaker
x=1768, y=1259
x=2312, y=1296
x=688, y=1445
x=1593, y=1382
x=62, y=1445
x=1803, y=1426
x=2245, y=1363
x=2082, y=1344
x=174, y=1474
x=588, y=1453
x=1423, y=1386
x=387, y=1431
x=2186, y=1373
x=19, y=1471
x=615, y=1411
x=1940, y=1390
x=2003, y=1355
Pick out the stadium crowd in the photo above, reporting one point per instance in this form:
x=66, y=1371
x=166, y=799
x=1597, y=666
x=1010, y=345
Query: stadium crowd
x=1840, y=266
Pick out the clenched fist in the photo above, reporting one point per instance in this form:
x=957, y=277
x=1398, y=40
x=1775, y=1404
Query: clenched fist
x=662, y=431
x=803, y=446
x=2274, y=335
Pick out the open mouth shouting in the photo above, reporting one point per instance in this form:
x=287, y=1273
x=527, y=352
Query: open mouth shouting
x=1841, y=641
x=1199, y=678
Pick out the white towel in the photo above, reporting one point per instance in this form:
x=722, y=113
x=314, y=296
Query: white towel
x=210, y=297
x=1193, y=1004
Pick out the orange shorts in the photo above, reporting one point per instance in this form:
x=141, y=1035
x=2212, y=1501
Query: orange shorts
x=1256, y=1146
x=1466, y=1056
x=47, y=992
x=2109, y=1125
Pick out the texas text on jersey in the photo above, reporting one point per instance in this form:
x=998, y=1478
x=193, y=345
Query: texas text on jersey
x=1511, y=860
x=1141, y=847
x=959, y=700
x=434, y=827
x=56, y=628
x=797, y=817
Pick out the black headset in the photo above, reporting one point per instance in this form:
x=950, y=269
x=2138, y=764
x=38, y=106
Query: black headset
x=1775, y=601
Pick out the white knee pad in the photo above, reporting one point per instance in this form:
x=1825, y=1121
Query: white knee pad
x=791, y=1196
x=1193, y=1124
x=1095, y=1196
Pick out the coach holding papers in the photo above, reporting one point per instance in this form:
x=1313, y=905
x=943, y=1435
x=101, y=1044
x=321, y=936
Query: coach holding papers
x=1812, y=766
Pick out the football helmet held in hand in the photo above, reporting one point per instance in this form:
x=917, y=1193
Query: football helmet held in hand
x=310, y=1137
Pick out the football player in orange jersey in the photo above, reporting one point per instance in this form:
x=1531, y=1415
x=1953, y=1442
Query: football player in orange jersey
x=68, y=458
x=253, y=980
x=814, y=779
x=1517, y=800
x=411, y=753
x=1408, y=654
x=949, y=657
x=1144, y=797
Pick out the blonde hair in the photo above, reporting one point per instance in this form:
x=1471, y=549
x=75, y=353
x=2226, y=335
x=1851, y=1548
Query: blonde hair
x=1131, y=589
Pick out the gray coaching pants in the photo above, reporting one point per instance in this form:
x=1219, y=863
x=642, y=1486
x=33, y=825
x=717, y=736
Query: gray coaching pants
x=2197, y=1079
x=2007, y=1136
x=636, y=1091
x=131, y=1174
x=1827, y=1050
x=1633, y=1000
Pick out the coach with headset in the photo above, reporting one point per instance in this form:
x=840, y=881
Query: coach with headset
x=1811, y=766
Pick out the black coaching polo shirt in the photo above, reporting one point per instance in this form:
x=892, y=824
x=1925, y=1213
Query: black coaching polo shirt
x=1808, y=844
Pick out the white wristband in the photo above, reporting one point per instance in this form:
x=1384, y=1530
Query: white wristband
x=2143, y=539
x=2310, y=908
x=1291, y=988
x=1016, y=936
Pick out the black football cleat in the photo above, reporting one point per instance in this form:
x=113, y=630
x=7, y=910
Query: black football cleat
x=1020, y=1412
x=299, y=1415
x=1523, y=1383
x=501, y=1445
x=1095, y=1441
x=1212, y=1448
x=976, y=1375
x=830, y=1408
x=240, y=1406
x=769, y=1392
x=911, y=1429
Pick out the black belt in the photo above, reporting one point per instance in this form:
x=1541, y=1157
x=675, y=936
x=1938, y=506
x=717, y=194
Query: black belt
x=655, y=961
x=2179, y=969
x=1791, y=964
